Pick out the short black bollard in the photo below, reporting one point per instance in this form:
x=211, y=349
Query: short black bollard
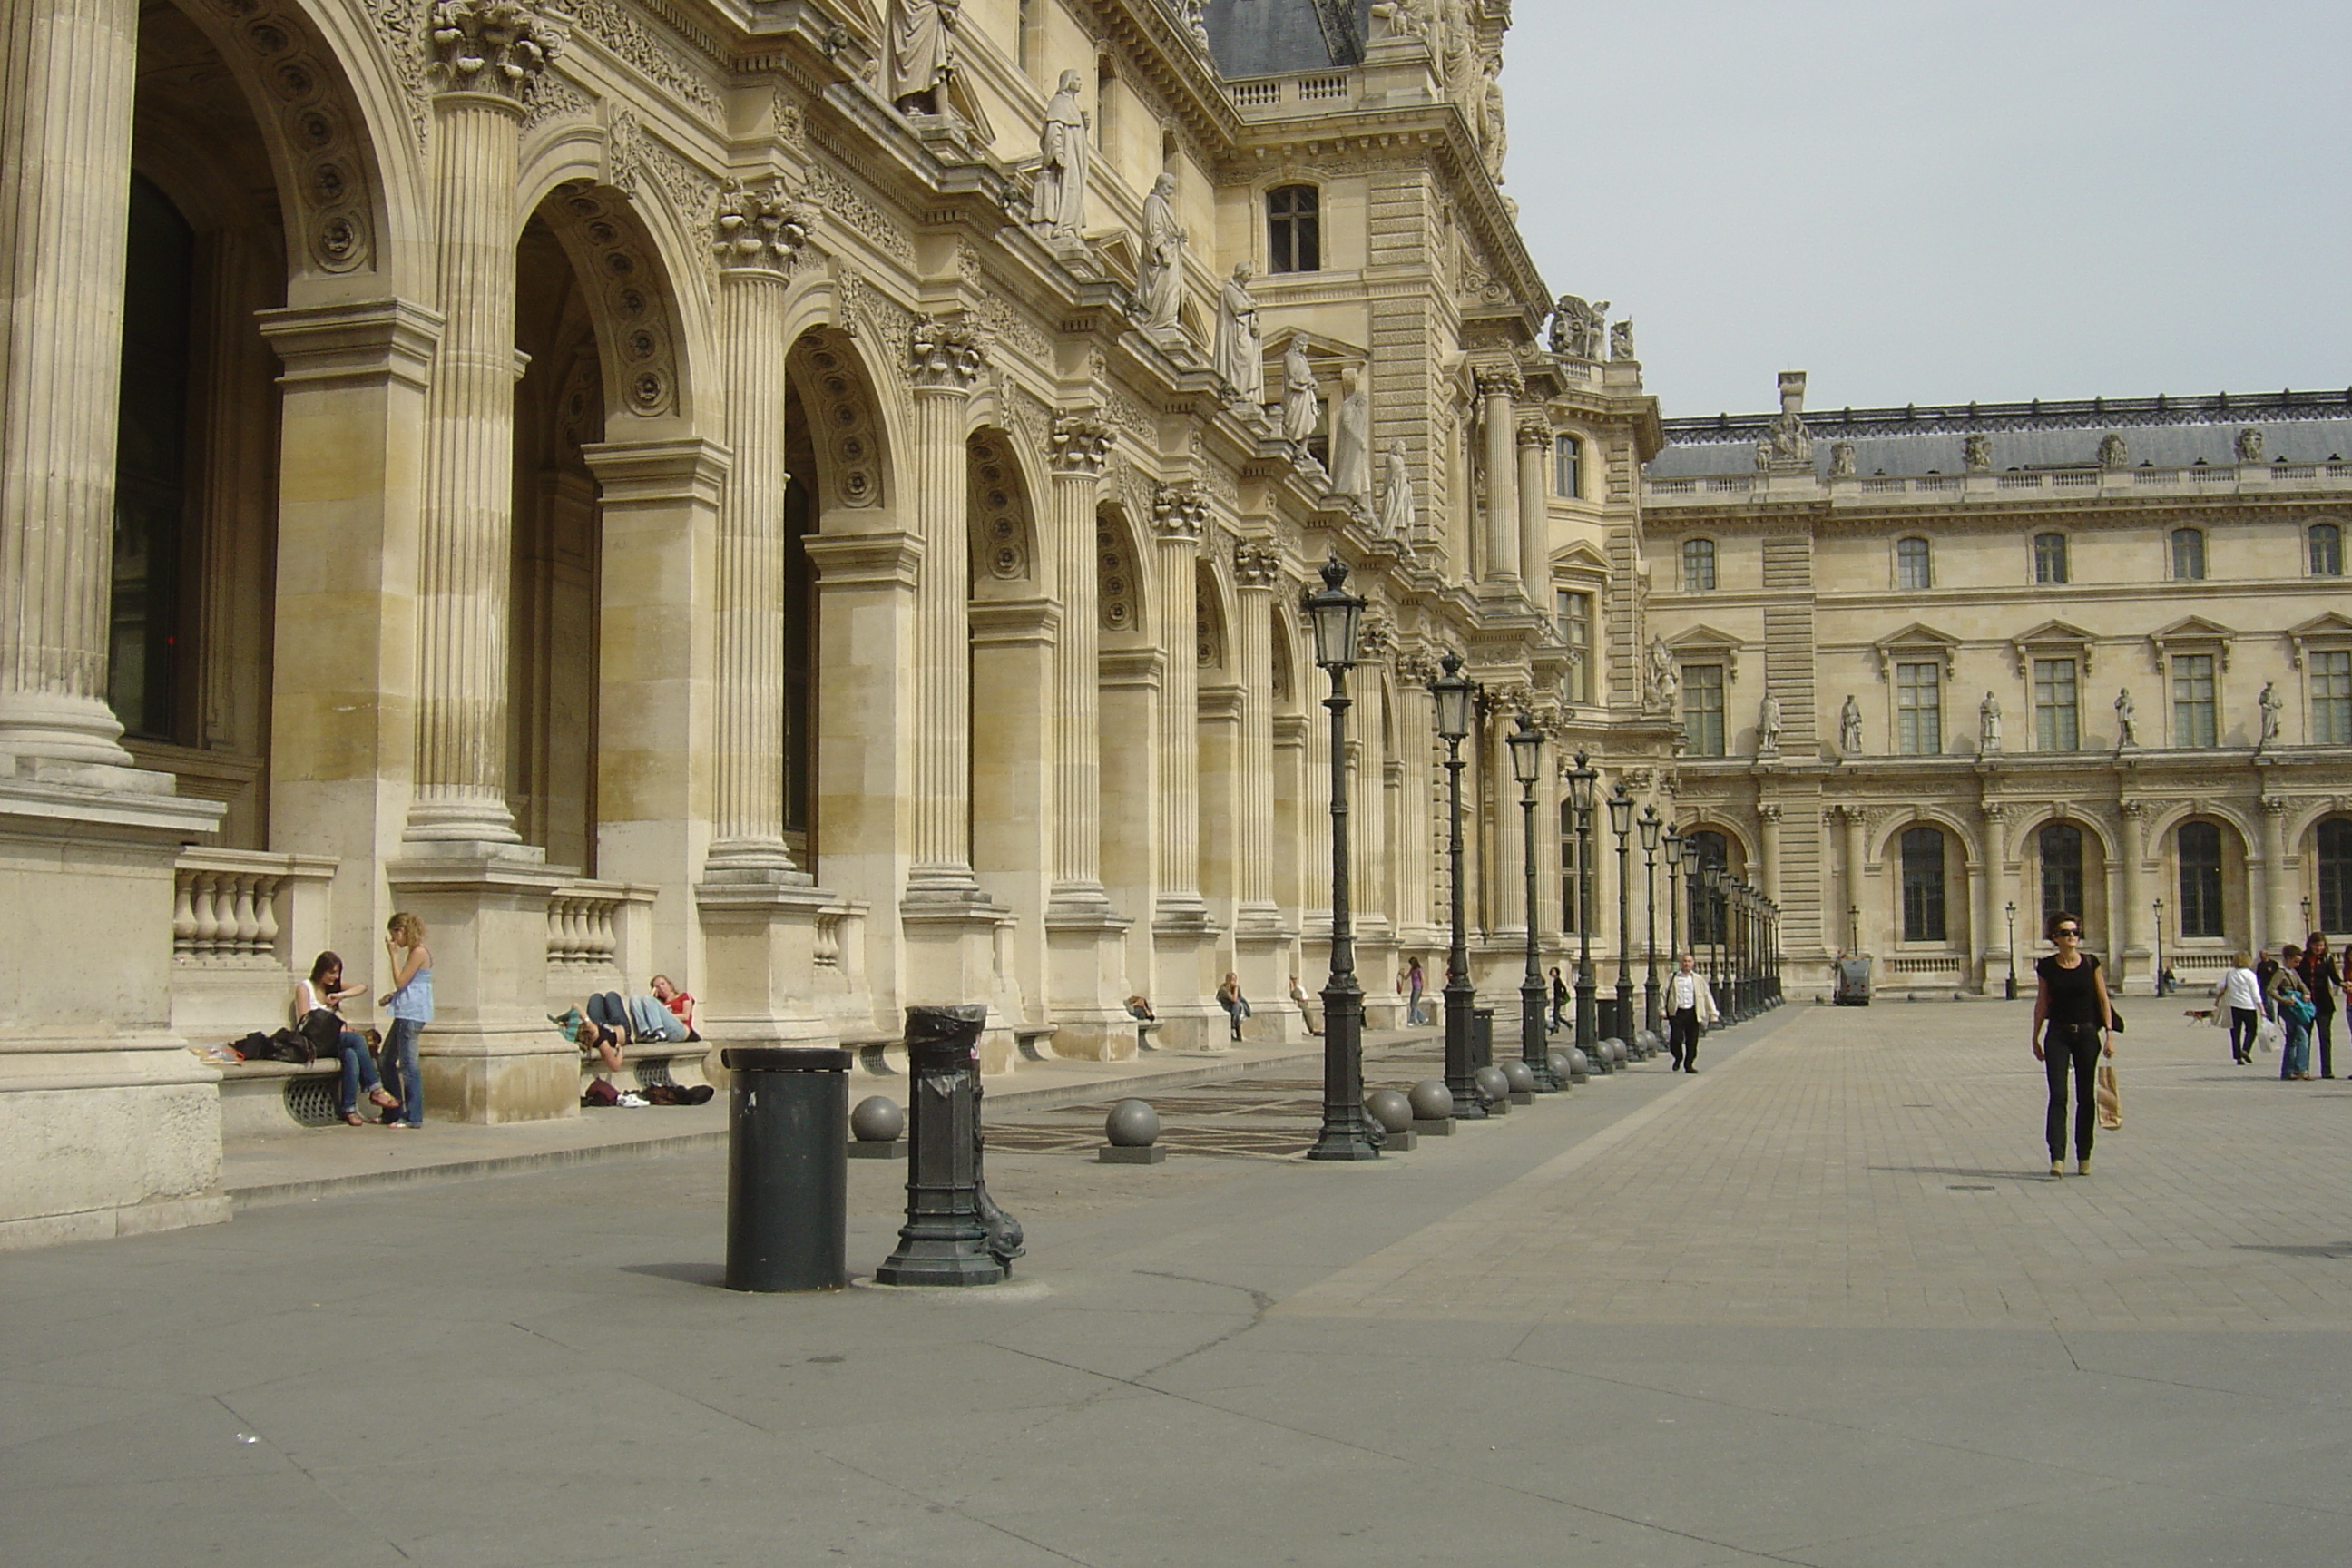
x=954, y=1234
x=787, y=1171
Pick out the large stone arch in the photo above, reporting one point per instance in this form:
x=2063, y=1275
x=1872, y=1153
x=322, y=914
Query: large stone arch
x=2032, y=819
x=1122, y=575
x=1972, y=847
x=1003, y=529
x=836, y=390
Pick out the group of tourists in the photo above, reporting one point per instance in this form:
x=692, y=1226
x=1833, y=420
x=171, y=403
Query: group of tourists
x=2297, y=993
x=391, y=1084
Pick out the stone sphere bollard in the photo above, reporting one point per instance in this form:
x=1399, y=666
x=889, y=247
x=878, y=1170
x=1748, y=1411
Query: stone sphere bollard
x=1132, y=1124
x=1494, y=1086
x=1430, y=1101
x=1390, y=1107
x=1563, y=1066
x=1522, y=1079
x=1650, y=1043
x=1580, y=1066
x=877, y=1119
x=1618, y=1056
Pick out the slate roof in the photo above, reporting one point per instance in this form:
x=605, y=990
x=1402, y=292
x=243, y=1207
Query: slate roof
x=1267, y=37
x=2166, y=432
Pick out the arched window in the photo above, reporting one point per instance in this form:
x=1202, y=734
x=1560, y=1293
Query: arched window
x=2197, y=847
x=1566, y=467
x=2334, y=846
x=2327, y=550
x=1923, y=884
x=1698, y=565
x=150, y=472
x=1705, y=925
x=2062, y=868
x=2188, y=554
x=1914, y=567
x=1294, y=229
x=2050, y=558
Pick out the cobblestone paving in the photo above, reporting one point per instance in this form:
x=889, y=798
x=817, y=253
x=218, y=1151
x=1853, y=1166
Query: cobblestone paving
x=1885, y=1167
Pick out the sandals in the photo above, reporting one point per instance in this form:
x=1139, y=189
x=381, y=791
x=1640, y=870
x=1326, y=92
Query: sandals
x=355, y=1119
x=383, y=1096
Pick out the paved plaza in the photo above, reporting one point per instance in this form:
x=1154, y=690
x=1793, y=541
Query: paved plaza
x=1818, y=1305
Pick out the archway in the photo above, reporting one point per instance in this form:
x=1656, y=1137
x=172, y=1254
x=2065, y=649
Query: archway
x=1130, y=690
x=1011, y=681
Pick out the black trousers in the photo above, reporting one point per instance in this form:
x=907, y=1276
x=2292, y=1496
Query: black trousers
x=2322, y=1028
x=1682, y=1038
x=2243, y=1021
x=2075, y=1047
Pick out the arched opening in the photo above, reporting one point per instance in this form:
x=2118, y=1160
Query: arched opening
x=1218, y=730
x=1707, y=925
x=2069, y=872
x=1927, y=882
x=1011, y=675
x=2332, y=858
x=1129, y=686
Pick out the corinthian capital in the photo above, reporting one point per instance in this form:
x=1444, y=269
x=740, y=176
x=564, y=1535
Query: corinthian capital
x=1535, y=432
x=1079, y=445
x=1256, y=565
x=1179, y=512
x=1500, y=380
x=492, y=46
x=945, y=355
x=760, y=227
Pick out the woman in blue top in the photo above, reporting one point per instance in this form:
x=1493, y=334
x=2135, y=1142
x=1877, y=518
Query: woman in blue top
x=411, y=1001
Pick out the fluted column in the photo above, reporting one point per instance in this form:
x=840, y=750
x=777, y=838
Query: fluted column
x=1510, y=893
x=1080, y=447
x=485, y=56
x=1535, y=520
x=2128, y=926
x=1178, y=515
x=66, y=77
x=2278, y=900
x=943, y=362
x=1500, y=390
x=1416, y=724
x=1256, y=571
x=1855, y=817
x=756, y=231
x=1768, y=833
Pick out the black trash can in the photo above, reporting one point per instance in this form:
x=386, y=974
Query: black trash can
x=787, y=1170
x=1482, y=1038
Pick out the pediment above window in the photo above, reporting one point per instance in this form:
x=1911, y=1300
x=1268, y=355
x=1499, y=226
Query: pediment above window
x=1918, y=644
x=2053, y=640
x=1705, y=644
x=2330, y=631
x=2192, y=634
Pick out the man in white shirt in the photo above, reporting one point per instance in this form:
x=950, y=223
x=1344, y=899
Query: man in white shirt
x=1690, y=1005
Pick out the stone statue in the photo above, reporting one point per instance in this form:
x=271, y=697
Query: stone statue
x=1577, y=328
x=1842, y=460
x=1792, y=444
x=1159, y=281
x=1661, y=671
x=1850, y=727
x=1768, y=726
x=2272, y=707
x=2113, y=453
x=1989, y=724
x=1497, y=136
x=1351, y=439
x=1302, y=408
x=1763, y=455
x=922, y=53
x=1621, y=339
x=2250, y=444
x=2126, y=733
x=1397, y=504
x=1240, y=359
x=1196, y=21
x=1978, y=454
x=1057, y=201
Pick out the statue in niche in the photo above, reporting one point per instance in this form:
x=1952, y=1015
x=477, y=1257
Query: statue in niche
x=1850, y=727
x=2113, y=453
x=2250, y=444
x=2127, y=731
x=2272, y=708
x=1057, y=201
x=1352, y=437
x=922, y=53
x=1989, y=724
x=1398, y=505
x=1976, y=453
x=1302, y=402
x=1768, y=726
x=1240, y=353
x=1159, y=281
x=1842, y=460
x=1661, y=671
x=1621, y=339
x=1577, y=328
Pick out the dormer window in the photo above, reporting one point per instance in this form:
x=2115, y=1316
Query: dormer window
x=1294, y=229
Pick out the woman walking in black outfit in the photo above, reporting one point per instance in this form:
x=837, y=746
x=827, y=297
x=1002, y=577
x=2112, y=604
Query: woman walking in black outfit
x=2071, y=1021
x=2324, y=980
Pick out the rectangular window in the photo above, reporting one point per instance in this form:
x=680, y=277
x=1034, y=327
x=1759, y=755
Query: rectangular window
x=1923, y=885
x=2194, y=720
x=2050, y=558
x=1919, y=709
x=2331, y=699
x=1576, y=631
x=1568, y=916
x=1698, y=565
x=1703, y=709
x=1294, y=229
x=2057, y=717
x=1568, y=467
x=2200, y=847
x=2189, y=554
x=1914, y=569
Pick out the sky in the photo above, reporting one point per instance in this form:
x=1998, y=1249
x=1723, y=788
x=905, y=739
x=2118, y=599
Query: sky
x=1928, y=201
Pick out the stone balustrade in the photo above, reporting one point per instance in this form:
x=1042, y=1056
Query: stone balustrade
x=245, y=926
x=1945, y=490
x=599, y=936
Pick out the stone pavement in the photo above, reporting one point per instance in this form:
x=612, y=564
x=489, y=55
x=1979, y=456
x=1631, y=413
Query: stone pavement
x=1816, y=1306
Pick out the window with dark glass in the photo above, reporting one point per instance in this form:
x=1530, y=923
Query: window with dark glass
x=2057, y=710
x=2189, y=554
x=2327, y=550
x=1703, y=709
x=1698, y=565
x=1576, y=631
x=144, y=646
x=1294, y=229
x=2331, y=698
x=2050, y=558
x=1919, y=709
x=1923, y=884
x=2062, y=868
x=1707, y=922
x=1914, y=568
x=2197, y=847
x=1569, y=918
x=2334, y=846
x=1566, y=467
x=2195, y=720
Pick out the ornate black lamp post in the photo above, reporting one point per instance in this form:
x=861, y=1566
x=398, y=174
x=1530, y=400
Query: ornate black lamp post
x=1452, y=692
x=1651, y=825
x=1621, y=822
x=1691, y=924
x=2008, y=991
x=1347, y=1134
x=1674, y=841
x=1734, y=958
x=2160, y=944
x=1527, y=765
x=1581, y=779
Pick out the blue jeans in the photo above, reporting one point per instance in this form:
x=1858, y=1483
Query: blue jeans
x=1412, y=1010
x=2295, y=1057
x=359, y=1070
x=402, y=1045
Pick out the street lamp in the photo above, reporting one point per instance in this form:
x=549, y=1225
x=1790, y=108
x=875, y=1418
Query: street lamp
x=1737, y=961
x=1651, y=827
x=1582, y=778
x=1527, y=763
x=1674, y=841
x=1452, y=692
x=1347, y=1134
x=2307, y=911
x=1621, y=822
x=1710, y=877
x=2011, y=992
x=1854, y=929
x=2160, y=944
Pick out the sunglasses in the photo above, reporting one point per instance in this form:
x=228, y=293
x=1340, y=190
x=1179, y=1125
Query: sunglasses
x=2068, y=930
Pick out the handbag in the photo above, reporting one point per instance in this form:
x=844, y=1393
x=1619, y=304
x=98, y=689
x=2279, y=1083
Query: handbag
x=322, y=1031
x=2268, y=1034
x=2110, y=1097
x=2115, y=1018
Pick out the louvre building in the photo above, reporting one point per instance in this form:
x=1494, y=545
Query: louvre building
x=813, y=497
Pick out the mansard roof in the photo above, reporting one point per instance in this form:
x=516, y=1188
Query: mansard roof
x=1266, y=37
x=2166, y=432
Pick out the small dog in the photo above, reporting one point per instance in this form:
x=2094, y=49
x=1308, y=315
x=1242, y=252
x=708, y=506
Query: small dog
x=2201, y=1014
